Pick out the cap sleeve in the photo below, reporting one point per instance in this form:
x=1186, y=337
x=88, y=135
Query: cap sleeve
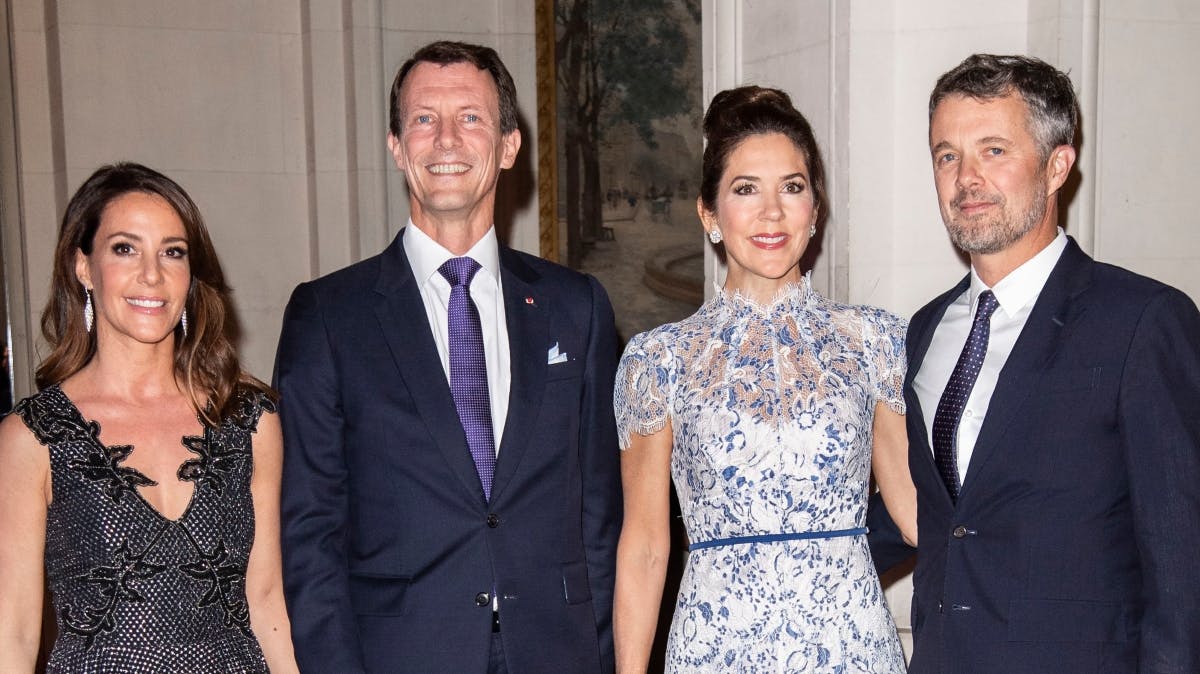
x=883, y=342
x=248, y=406
x=640, y=397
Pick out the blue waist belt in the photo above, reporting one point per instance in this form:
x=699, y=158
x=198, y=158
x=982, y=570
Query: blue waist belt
x=773, y=538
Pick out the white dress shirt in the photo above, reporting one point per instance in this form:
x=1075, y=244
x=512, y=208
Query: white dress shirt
x=425, y=256
x=1016, y=294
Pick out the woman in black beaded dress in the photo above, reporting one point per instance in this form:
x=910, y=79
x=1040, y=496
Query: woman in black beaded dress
x=141, y=482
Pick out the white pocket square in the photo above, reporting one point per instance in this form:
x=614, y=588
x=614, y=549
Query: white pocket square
x=554, y=356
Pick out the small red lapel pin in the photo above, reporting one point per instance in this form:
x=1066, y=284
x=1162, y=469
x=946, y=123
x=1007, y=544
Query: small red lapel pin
x=530, y=302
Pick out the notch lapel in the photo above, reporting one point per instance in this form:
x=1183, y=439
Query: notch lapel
x=1035, y=348
x=918, y=348
x=528, y=337
x=405, y=326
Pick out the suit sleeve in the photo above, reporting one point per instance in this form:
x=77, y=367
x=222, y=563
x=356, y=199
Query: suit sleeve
x=888, y=548
x=314, y=503
x=600, y=463
x=1159, y=417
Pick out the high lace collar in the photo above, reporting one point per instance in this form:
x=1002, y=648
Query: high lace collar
x=790, y=297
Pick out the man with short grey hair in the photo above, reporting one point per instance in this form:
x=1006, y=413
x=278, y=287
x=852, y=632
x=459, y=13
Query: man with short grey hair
x=1053, y=414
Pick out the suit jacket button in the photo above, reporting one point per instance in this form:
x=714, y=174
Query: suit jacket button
x=959, y=531
x=493, y=520
x=482, y=599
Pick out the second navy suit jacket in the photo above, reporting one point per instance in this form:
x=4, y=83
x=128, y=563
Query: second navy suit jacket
x=391, y=552
x=1073, y=544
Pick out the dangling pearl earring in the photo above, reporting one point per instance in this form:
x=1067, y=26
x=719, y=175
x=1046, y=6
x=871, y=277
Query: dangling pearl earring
x=714, y=235
x=89, y=315
x=183, y=322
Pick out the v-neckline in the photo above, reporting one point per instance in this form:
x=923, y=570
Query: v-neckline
x=89, y=424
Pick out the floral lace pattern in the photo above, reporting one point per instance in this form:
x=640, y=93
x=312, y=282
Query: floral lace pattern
x=771, y=411
x=134, y=590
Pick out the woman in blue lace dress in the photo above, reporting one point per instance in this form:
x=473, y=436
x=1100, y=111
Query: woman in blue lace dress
x=141, y=482
x=768, y=408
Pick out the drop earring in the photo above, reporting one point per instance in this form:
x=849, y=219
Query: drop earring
x=812, y=231
x=89, y=314
x=183, y=322
x=714, y=235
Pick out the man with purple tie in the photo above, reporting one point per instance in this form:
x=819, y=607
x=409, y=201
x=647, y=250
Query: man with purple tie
x=1053, y=414
x=451, y=497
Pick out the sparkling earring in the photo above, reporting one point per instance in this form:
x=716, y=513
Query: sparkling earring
x=183, y=322
x=89, y=315
x=714, y=235
x=812, y=231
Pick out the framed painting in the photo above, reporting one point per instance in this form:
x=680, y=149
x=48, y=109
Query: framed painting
x=619, y=138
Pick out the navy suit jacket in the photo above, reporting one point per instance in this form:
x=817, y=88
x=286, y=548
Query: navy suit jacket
x=1073, y=544
x=387, y=539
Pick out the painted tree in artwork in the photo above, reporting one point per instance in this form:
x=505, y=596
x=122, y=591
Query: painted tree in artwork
x=619, y=63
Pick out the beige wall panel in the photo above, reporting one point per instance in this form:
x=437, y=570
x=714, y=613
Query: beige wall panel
x=265, y=16
x=449, y=18
x=34, y=116
x=327, y=49
x=1146, y=194
x=181, y=97
x=42, y=215
x=27, y=15
x=515, y=17
x=256, y=222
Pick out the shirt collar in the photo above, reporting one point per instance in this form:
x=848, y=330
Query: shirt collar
x=1023, y=284
x=425, y=255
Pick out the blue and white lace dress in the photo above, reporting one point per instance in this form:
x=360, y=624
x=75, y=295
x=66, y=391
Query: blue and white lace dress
x=771, y=411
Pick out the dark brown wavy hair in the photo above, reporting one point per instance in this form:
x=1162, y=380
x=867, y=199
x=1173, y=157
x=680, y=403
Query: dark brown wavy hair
x=736, y=114
x=206, y=362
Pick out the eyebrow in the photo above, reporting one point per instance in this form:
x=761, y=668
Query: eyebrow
x=940, y=146
x=987, y=140
x=135, y=237
x=797, y=174
x=433, y=107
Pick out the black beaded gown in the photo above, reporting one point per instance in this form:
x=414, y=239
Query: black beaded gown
x=133, y=590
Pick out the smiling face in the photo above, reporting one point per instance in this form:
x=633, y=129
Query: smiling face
x=764, y=210
x=450, y=148
x=995, y=189
x=138, y=270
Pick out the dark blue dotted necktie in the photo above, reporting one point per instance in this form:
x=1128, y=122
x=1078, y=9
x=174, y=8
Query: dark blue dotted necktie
x=958, y=389
x=468, y=368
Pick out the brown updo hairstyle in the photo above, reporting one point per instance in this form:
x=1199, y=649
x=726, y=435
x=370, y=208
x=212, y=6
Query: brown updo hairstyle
x=736, y=114
x=206, y=363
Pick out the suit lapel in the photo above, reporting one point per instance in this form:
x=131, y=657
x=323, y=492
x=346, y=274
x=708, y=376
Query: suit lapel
x=528, y=338
x=918, y=345
x=405, y=326
x=1034, y=349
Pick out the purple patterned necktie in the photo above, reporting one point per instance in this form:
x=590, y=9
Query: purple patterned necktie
x=468, y=369
x=958, y=389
